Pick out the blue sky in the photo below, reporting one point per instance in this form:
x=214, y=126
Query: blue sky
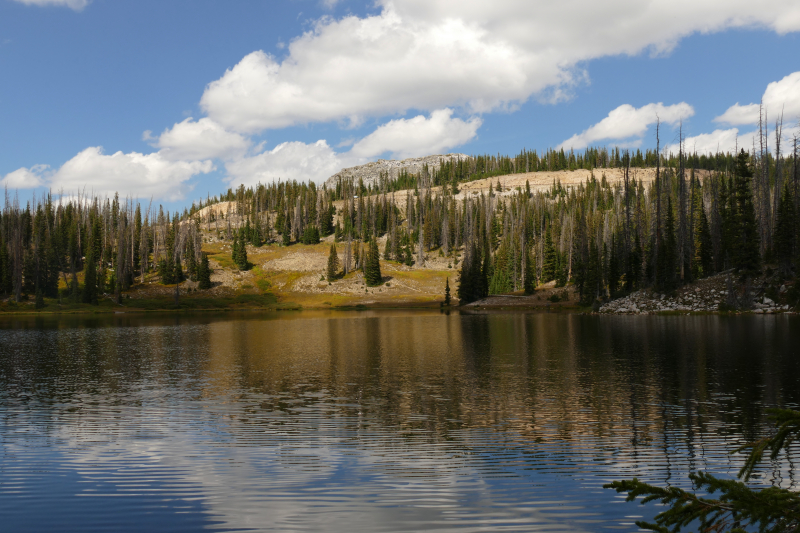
x=176, y=99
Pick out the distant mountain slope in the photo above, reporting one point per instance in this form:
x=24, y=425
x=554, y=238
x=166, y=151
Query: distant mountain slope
x=372, y=171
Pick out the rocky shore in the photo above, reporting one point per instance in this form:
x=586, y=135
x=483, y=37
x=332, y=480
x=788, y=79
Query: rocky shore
x=706, y=295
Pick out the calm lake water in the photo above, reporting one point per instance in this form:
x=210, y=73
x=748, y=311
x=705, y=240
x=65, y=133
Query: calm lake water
x=376, y=421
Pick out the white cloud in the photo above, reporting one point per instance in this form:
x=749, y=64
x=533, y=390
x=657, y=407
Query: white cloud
x=317, y=161
x=417, y=136
x=780, y=96
x=204, y=139
x=25, y=178
x=287, y=161
x=717, y=141
x=431, y=54
x=134, y=174
x=627, y=121
x=76, y=5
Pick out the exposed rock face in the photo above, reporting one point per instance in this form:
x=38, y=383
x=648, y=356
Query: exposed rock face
x=372, y=171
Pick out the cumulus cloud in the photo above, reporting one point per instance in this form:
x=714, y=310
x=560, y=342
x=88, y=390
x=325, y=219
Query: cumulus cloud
x=780, y=96
x=318, y=161
x=716, y=141
x=431, y=54
x=626, y=122
x=417, y=136
x=203, y=139
x=134, y=174
x=25, y=178
x=287, y=161
x=76, y=5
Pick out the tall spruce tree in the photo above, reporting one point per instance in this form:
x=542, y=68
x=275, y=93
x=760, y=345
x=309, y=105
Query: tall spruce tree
x=372, y=265
x=203, y=273
x=89, y=295
x=784, y=240
x=745, y=243
x=550, y=262
x=333, y=263
x=530, y=274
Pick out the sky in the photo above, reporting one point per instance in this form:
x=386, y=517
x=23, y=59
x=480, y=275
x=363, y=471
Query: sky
x=175, y=100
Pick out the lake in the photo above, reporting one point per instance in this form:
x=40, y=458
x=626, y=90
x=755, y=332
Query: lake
x=376, y=420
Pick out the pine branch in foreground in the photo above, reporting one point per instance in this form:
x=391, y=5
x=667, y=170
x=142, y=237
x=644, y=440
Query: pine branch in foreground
x=738, y=508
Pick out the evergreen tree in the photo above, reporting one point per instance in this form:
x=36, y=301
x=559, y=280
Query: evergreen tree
x=372, y=266
x=447, y=292
x=191, y=261
x=178, y=276
x=333, y=263
x=613, y=275
x=5, y=270
x=668, y=254
x=704, y=259
x=89, y=295
x=203, y=273
x=784, y=240
x=501, y=277
x=530, y=274
x=745, y=243
x=286, y=234
x=550, y=263
x=739, y=507
x=594, y=276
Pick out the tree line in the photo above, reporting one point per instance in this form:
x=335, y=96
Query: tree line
x=606, y=239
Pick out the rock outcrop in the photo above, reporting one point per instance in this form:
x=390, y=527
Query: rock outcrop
x=371, y=172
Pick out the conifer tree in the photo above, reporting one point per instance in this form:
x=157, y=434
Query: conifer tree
x=745, y=244
x=191, y=261
x=784, y=240
x=89, y=295
x=550, y=263
x=530, y=274
x=704, y=260
x=668, y=254
x=501, y=278
x=372, y=266
x=177, y=275
x=5, y=269
x=447, y=292
x=730, y=505
x=203, y=273
x=333, y=263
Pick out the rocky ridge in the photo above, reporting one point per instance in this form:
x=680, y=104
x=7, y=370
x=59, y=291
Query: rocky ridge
x=371, y=172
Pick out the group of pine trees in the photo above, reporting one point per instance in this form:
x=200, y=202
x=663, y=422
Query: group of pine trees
x=48, y=246
x=700, y=215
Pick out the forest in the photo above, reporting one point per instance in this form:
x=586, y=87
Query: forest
x=702, y=215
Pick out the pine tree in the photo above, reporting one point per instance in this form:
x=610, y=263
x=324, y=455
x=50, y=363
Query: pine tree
x=550, y=263
x=203, y=273
x=5, y=270
x=501, y=278
x=745, y=244
x=738, y=507
x=191, y=261
x=530, y=274
x=704, y=259
x=286, y=234
x=240, y=254
x=333, y=263
x=372, y=266
x=466, y=280
x=784, y=245
x=668, y=254
x=90, y=280
x=177, y=275
x=447, y=292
